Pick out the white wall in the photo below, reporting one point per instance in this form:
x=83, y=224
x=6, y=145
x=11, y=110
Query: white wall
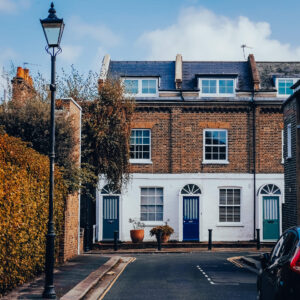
x=209, y=203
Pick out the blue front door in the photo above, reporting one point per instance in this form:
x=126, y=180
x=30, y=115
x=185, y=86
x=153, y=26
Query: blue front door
x=110, y=216
x=190, y=218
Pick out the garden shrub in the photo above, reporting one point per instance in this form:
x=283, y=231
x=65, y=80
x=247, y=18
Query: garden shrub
x=24, y=182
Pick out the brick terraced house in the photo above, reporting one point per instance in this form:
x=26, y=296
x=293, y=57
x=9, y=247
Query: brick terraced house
x=291, y=114
x=206, y=149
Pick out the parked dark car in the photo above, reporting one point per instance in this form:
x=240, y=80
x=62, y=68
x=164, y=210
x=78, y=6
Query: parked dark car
x=279, y=277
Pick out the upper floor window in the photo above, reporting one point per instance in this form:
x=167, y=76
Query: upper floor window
x=217, y=87
x=143, y=87
x=215, y=146
x=140, y=144
x=283, y=86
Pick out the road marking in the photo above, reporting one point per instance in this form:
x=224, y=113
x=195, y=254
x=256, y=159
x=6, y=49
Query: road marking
x=235, y=261
x=205, y=275
x=131, y=260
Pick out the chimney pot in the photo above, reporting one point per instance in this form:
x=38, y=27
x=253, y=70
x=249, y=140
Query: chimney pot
x=26, y=74
x=20, y=72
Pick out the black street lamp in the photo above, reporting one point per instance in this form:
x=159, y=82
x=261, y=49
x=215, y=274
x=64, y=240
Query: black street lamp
x=53, y=29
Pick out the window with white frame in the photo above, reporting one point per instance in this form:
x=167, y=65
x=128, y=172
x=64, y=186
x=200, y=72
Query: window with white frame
x=230, y=205
x=143, y=87
x=217, y=87
x=152, y=204
x=289, y=140
x=283, y=86
x=140, y=144
x=215, y=146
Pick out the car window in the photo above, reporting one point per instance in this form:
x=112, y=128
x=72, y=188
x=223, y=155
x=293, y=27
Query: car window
x=284, y=246
x=276, y=250
x=288, y=244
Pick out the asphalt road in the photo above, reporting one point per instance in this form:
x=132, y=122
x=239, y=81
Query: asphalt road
x=205, y=275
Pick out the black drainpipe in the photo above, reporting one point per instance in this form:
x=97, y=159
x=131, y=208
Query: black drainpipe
x=254, y=161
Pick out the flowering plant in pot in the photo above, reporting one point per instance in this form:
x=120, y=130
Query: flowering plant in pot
x=137, y=233
x=166, y=231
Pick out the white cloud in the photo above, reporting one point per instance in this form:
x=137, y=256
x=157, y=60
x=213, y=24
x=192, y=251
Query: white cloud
x=70, y=53
x=12, y=6
x=99, y=32
x=199, y=34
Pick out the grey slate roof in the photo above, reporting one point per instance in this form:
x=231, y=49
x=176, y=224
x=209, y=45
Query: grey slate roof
x=164, y=69
x=191, y=69
x=241, y=69
x=269, y=70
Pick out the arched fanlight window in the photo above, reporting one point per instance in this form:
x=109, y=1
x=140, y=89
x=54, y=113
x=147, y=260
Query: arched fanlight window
x=270, y=189
x=190, y=189
x=109, y=189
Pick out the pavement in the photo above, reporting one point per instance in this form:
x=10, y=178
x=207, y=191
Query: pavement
x=90, y=276
x=66, y=277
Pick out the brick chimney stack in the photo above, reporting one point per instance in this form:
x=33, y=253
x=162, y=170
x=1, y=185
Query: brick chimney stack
x=178, y=71
x=254, y=72
x=22, y=87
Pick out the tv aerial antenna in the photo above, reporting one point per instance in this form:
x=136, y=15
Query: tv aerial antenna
x=243, y=47
x=25, y=64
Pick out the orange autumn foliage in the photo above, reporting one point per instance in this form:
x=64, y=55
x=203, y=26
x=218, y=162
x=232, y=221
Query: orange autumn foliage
x=24, y=176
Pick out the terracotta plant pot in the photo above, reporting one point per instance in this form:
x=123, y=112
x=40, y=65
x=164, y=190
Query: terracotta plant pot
x=137, y=235
x=165, y=238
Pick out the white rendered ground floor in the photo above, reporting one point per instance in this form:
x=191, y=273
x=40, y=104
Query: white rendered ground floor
x=192, y=204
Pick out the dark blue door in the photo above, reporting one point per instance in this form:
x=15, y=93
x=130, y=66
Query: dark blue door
x=110, y=216
x=191, y=218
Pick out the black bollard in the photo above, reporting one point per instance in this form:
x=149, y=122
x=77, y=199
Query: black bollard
x=209, y=239
x=116, y=240
x=158, y=236
x=258, y=239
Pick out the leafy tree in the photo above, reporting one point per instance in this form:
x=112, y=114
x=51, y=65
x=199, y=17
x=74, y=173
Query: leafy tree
x=31, y=123
x=106, y=124
x=106, y=132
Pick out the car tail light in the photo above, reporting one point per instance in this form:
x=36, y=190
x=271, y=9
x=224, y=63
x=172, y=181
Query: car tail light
x=295, y=263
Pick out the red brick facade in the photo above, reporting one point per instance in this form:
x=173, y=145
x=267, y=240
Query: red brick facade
x=177, y=137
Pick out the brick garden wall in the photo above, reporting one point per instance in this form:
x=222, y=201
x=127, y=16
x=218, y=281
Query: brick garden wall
x=69, y=245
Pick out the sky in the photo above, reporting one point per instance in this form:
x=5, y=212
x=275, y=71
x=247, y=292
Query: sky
x=148, y=30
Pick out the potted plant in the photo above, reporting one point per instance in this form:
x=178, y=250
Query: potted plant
x=166, y=231
x=137, y=233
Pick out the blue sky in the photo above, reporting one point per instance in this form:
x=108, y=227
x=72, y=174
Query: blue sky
x=152, y=29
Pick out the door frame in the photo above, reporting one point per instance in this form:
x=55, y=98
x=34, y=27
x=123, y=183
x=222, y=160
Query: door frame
x=99, y=214
x=198, y=208
x=180, y=209
x=279, y=216
x=118, y=197
x=259, y=208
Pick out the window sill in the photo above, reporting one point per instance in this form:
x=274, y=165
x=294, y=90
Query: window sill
x=140, y=161
x=153, y=223
x=215, y=162
x=230, y=224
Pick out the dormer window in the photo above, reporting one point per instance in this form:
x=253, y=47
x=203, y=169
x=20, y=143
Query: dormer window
x=141, y=87
x=283, y=86
x=220, y=87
